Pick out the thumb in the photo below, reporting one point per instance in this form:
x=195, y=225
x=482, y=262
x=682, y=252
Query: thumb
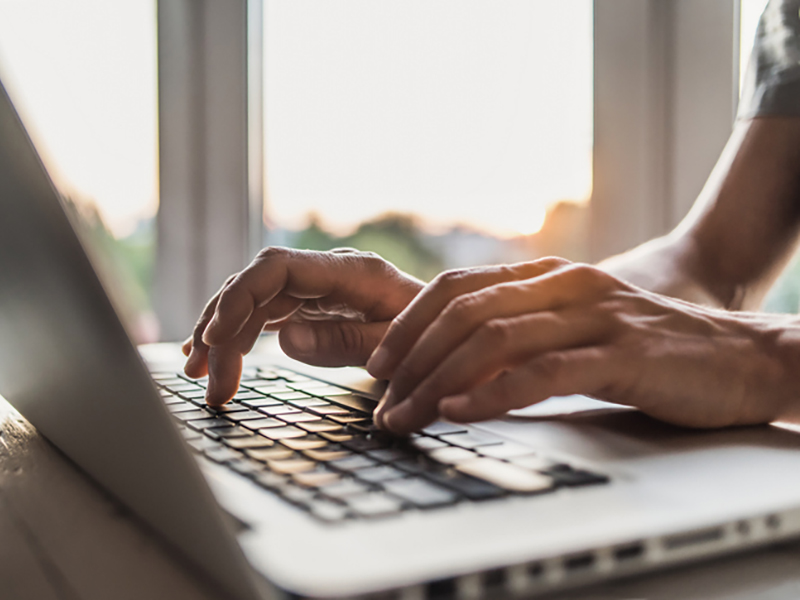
x=332, y=343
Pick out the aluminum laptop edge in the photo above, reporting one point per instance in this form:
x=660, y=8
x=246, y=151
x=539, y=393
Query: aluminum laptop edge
x=68, y=366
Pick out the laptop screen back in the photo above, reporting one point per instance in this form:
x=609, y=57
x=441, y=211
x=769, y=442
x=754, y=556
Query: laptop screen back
x=68, y=366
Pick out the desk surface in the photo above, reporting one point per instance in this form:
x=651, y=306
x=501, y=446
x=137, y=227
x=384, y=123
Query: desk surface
x=62, y=538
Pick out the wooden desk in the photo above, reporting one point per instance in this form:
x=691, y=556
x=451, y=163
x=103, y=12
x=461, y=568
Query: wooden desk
x=62, y=538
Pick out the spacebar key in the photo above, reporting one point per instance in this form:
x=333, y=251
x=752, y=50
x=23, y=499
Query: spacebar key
x=420, y=493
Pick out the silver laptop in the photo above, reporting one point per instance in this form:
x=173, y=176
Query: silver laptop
x=290, y=491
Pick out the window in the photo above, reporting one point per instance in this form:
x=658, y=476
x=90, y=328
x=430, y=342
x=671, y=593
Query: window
x=83, y=76
x=438, y=134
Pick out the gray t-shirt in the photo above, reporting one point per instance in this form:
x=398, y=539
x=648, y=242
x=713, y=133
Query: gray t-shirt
x=772, y=80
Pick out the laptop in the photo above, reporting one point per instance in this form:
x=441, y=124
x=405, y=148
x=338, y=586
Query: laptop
x=291, y=492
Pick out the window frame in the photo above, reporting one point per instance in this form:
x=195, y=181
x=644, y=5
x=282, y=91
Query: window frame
x=674, y=64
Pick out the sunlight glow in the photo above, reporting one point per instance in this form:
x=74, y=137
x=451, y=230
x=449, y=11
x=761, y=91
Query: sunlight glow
x=83, y=76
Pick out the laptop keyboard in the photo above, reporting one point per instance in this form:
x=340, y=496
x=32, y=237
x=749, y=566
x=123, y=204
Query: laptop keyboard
x=314, y=444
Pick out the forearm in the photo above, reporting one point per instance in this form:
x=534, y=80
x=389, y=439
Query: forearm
x=742, y=230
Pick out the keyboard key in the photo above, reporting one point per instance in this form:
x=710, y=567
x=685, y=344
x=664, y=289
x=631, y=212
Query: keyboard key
x=320, y=426
x=308, y=401
x=247, y=443
x=198, y=394
x=272, y=389
x=267, y=454
x=358, y=403
x=264, y=423
x=344, y=488
x=184, y=386
x=328, y=409
x=576, y=477
x=289, y=395
x=391, y=455
x=425, y=443
x=309, y=442
x=328, y=511
x=452, y=455
x=353, y=463
x=274, y=411
x=221, y=454
x=297, y=495
x=379, y=474
x=246, y=466
x=362, y=444
x=442, y=428
x=506, y=450
x=302, y=417
x=228, y=408
x=247, y=395
x=507, y=476
x=474, y=489
x=290, y=465
x=376, y=504
x=190, y=415
x=419, y=492
x=261, y=402
x=349, y=418
x=334, y=436
x=470, y=439
x=272, y=481
x=318, y=477
x=533, y=462
x=201, y=424
x=203, y=444
x=189, y=434
x=282, y=433
x=325, y=455
x=233, y=431
x=244, y=415
x=182, y=407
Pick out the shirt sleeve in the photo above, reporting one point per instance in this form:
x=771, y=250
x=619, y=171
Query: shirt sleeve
x=772, y=80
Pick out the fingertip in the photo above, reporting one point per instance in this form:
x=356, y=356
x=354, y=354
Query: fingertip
x=186, y=348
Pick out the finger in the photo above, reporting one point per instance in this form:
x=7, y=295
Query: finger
x=359, y=280
x=197, y=362
x=186, y=347
x=332, y=343
x=225, y=361
x=591, y=370
x=456, y=323
x=412, y=322
x=497, y=346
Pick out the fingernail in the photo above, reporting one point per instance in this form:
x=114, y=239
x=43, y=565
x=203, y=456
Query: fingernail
x=377, y=362
x=302, y=338
x=377, y=414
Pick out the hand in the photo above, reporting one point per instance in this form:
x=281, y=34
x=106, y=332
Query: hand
x=331, y=308
x=479, y=342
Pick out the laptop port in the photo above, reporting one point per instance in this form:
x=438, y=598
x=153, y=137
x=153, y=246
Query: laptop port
x=579, y=562
x=535, y=570
x=692, y=538
x=443, y=589
x=773, y=522
x=629, y=552
x=496, y=578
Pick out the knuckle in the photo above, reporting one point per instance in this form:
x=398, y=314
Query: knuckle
x=495, y=333
x=461, y=307
x=549, y=263
x=592, y=278
x=270, y=253
x=549, y=367
x=449, y=280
